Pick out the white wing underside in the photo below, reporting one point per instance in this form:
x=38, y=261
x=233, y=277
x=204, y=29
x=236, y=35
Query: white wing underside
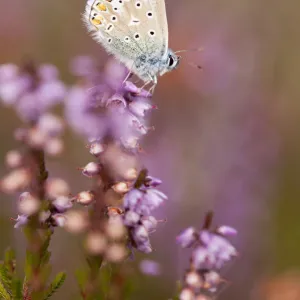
x=129, y=30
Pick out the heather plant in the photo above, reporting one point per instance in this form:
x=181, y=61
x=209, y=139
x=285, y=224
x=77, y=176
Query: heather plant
x=115, y=215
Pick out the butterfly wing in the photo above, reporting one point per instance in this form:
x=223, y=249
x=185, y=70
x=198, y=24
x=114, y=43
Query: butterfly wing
x=134, y=31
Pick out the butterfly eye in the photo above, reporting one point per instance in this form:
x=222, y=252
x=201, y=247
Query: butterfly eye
x=173, y=61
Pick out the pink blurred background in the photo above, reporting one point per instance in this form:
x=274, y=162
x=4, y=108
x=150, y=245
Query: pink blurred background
x=227, y=137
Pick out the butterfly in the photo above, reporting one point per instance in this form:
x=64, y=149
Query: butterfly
x=135, y=32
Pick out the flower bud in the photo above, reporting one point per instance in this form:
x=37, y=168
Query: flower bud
x=76, y=221
x=28, y=205
x=91, y=169
x=116, y=253
x=13, y=159
x=187, y=294
x=62, y=203
x=95, y=243
x=131, y=218
x=56, y=187
x=16, y=180
x=21, y=220
x=115, y=228
x=85, y=197
x=50, y=125
x=131, y=174
x=194, y=280
x=227, y=230
x=36, y=138
x=59, y=219
x=150, y=267
x=54, y=146
x=149, y=222
x=121, y=188
x=96, y=149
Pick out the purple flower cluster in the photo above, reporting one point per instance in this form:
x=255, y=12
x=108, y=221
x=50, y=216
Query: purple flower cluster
x=211, y=251
x=31, y=90
x=139, y=202
x=106, y=104
x=58, y=199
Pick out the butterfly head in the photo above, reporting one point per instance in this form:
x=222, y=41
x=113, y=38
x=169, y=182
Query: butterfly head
x=171, y=62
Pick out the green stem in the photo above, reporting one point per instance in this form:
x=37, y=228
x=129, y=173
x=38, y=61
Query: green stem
x=38, y=235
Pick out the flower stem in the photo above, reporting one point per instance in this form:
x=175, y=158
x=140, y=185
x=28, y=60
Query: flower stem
x=37, y=268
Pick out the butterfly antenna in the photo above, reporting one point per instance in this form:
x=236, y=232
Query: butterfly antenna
x=190, y=50
x=196, y=66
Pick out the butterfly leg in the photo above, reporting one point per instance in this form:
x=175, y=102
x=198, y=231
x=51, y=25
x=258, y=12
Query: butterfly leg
x=128, y=75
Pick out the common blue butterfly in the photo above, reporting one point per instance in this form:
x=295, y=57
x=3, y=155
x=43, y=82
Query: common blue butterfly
x=135, y=32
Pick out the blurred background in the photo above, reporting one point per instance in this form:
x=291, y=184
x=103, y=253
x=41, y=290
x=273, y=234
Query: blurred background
x=227, y=137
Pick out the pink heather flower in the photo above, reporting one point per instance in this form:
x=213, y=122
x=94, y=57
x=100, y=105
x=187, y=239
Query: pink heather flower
x=227, y=231
x=138, y=204
x=150, y=267
x=140, y=107
x=152, y=181
x=187, y=238
x=91, y=169
x=131, y=218
x=218, y=247
x=32, y=90
x=21, y=221
x=62, y=203
x=149, y=222
x=144, y=201
x=106, y=105
x=145, y=247
x=211, y=251
x=50, y=124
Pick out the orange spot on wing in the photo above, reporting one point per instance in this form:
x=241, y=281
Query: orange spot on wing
x=97, y=20
x=101, y=6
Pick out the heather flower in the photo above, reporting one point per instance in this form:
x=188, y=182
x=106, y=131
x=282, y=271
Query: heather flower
x=56, y=187
x=91, y=169
x=21, y=221
x=14, y=159
x=150, y=267
x=31, y=90
x=96, y=243
x=28, y=204
x=139, y=202
x=211, y=251
x=62, y=203
x=115, y=253
x=107, y=105
x=16, y=180
x=85, y=197
x=187, y=238
x=75, y=221
x=144, y=200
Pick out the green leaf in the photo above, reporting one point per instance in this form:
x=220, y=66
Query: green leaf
x=28, y=264
x=82, y=278
x=5, y=277
x=56, y=284
x=17, y=289
x=4, y=293
x=9, y=255
x=10, y=262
